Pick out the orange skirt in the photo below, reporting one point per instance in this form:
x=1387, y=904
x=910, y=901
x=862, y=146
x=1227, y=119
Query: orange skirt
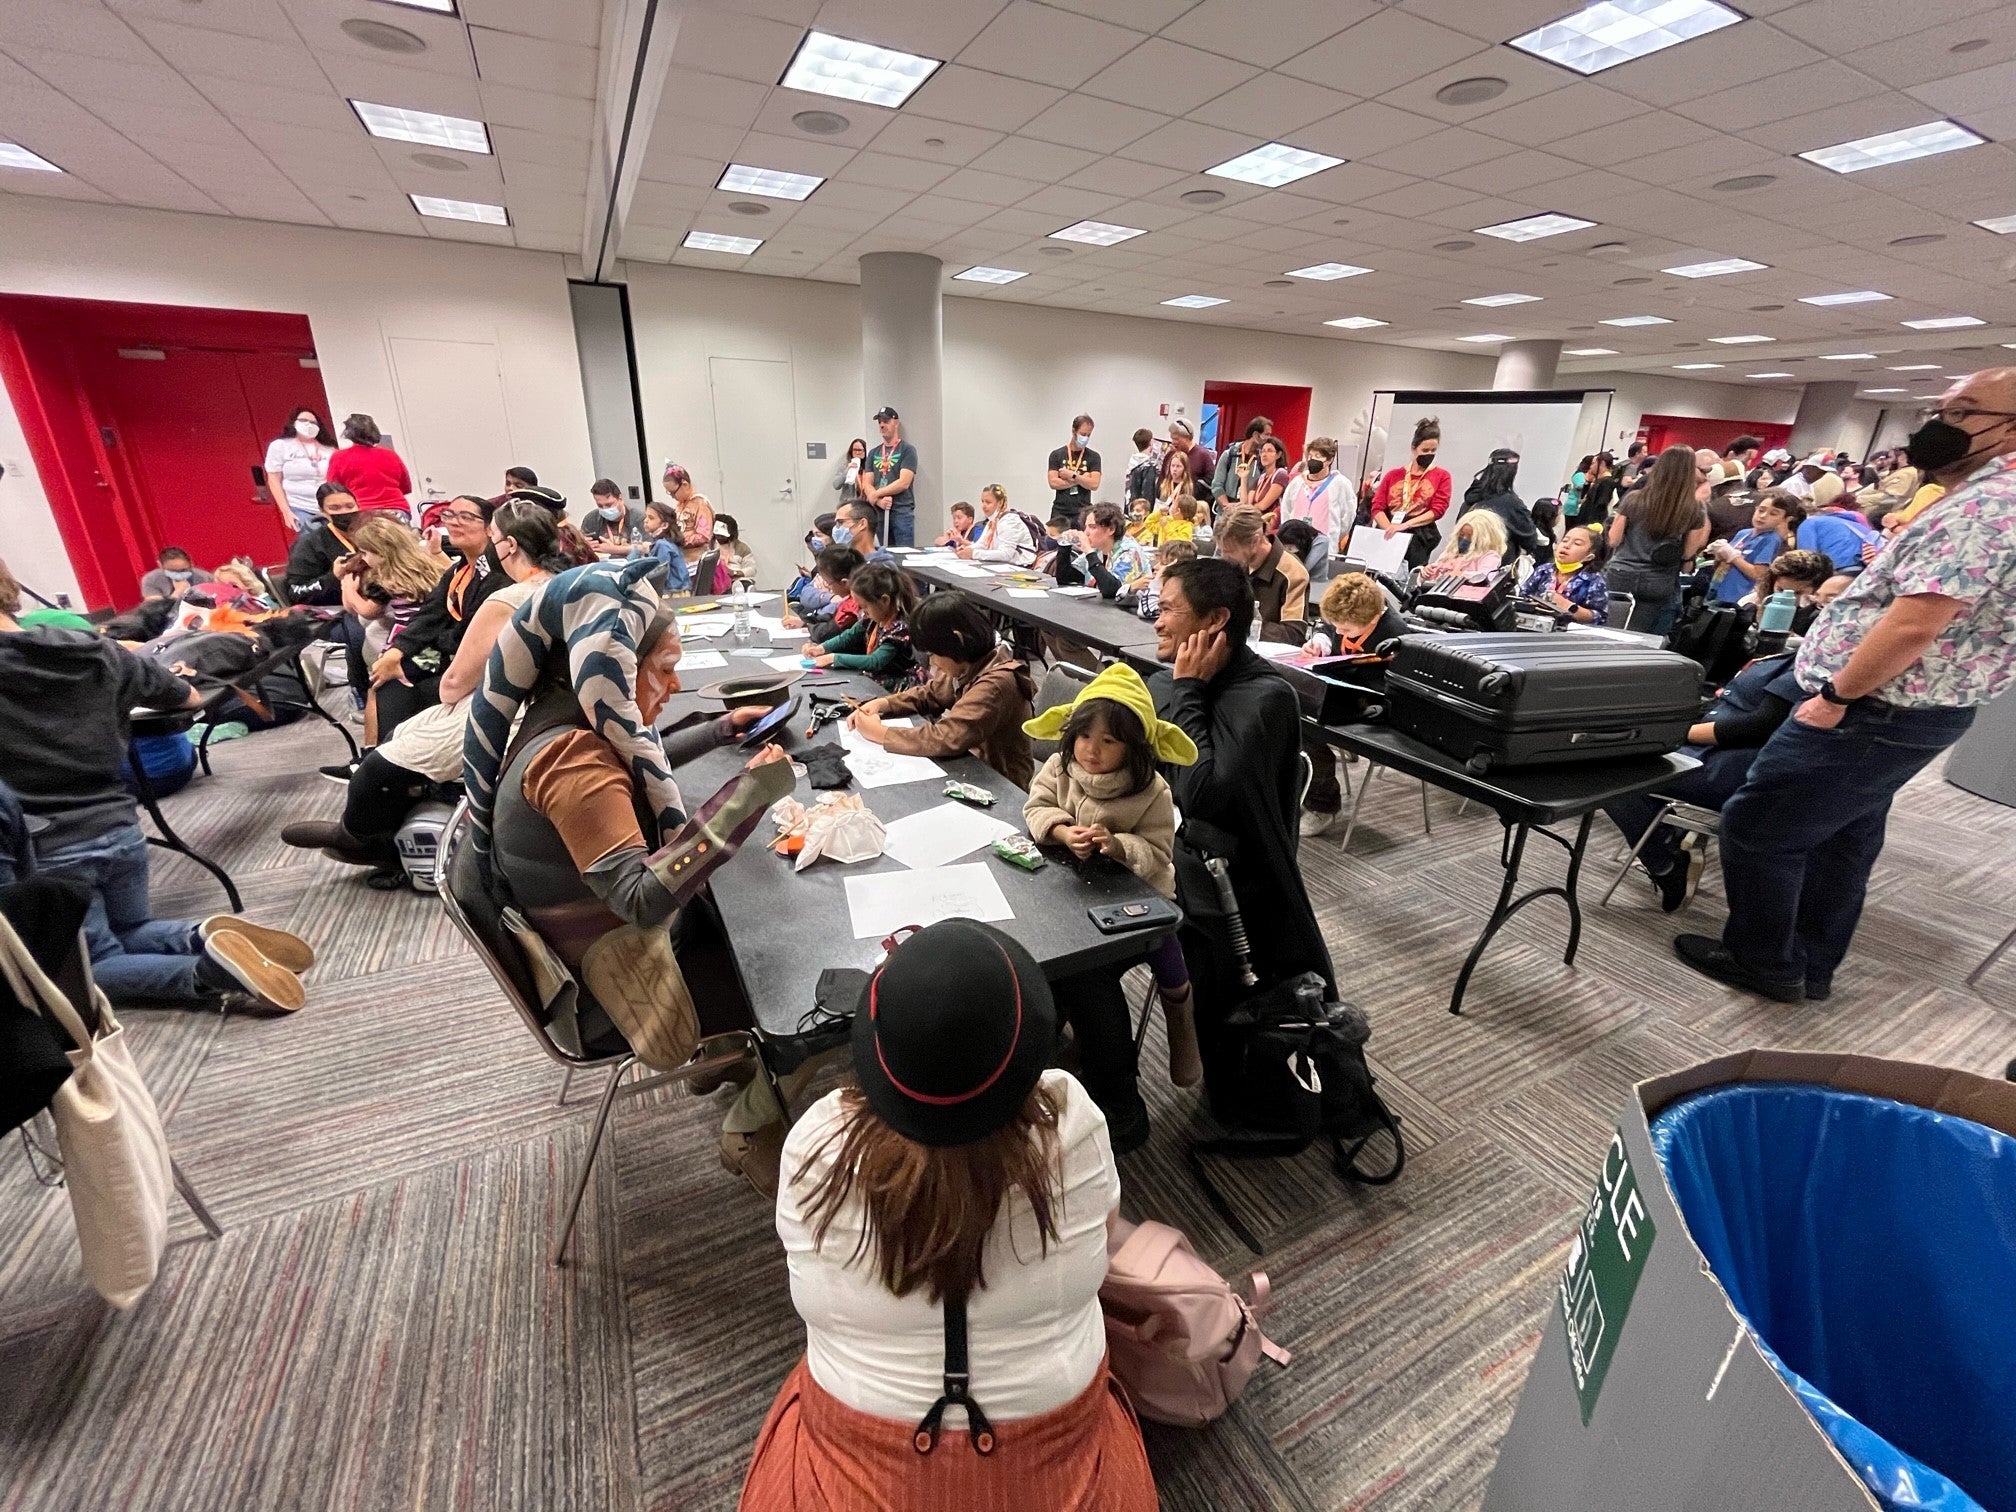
x=816, y=1454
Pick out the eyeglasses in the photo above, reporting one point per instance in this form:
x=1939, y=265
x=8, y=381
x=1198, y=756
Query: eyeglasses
x=462, y=516
x=1960, y=414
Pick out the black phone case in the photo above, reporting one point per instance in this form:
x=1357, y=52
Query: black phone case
x=1125, y=918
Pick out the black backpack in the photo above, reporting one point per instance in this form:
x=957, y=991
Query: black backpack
x=1288, y=1069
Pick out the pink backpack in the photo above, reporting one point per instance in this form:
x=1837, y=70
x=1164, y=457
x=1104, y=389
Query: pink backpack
x=1179, y=1338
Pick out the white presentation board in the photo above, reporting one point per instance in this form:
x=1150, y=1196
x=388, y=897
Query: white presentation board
x=1544, y=428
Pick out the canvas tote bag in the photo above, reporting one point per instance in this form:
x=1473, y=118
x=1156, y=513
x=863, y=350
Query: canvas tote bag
x=115, y=1156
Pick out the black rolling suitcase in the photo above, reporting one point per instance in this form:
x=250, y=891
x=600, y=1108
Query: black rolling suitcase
x=1518, y=700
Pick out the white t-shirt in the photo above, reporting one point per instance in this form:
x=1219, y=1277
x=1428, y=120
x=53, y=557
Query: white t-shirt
x=303, y=467
x=1035, y=1335
x=1005, y=538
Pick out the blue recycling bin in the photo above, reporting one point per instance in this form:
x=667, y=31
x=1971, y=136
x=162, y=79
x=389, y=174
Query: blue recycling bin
x=1870, y=1246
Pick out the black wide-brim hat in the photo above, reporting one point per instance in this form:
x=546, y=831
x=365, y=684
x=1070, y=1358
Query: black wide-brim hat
x=952, y=1033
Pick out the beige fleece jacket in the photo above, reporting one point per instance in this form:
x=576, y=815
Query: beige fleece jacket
x=1143, y=824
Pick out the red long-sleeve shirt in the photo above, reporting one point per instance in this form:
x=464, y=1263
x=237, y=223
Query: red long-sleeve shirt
x=1435, y=481
x=375, y=476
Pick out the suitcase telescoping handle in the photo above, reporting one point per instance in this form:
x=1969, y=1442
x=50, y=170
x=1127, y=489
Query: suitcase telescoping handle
x=1235, y=925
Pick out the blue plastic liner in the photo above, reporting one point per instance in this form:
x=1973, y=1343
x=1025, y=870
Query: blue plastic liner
x=1871, y=1247
x=170, y=761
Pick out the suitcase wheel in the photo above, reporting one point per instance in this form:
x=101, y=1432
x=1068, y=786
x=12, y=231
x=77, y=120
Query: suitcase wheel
x=1479, y=762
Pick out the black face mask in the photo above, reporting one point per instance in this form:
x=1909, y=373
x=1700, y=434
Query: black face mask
x=341, y=521
x=1315, y=466
x=1424, y=460
x=1937, y=445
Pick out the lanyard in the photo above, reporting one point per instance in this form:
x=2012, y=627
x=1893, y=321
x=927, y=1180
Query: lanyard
x=458, y=588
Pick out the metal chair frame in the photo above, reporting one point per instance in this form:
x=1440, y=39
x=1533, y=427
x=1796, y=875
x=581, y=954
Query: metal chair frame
x=1974, y=976
x=1686, y=817
x=618, y=1064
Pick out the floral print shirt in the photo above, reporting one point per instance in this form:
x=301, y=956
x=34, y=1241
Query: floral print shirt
x=1963, y=547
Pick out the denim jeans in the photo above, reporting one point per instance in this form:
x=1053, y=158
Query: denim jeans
x=1710, y=786
x=133, y=957
x=1801, y=836
x=902, y=525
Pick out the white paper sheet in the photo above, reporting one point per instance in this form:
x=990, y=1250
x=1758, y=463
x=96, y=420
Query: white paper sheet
x=1370, y=545
x=1083, y=590
x=702, y=661
x=704, y=629
x=884, y=902
x=762, y=651
x=941, y=835
x=789, y=663
x=874, y=767
x=1028, y=593
x=1274, y=650
x=965, y=569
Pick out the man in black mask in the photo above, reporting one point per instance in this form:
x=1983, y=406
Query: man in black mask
x=316, y=550
x=1895, y=667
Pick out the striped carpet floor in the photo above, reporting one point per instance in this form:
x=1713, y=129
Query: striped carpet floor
x=378, y=1328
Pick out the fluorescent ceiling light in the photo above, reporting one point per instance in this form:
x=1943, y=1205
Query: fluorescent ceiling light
x=1590, y=352
x=2010, y=344
x=1194, y=302
x=2001, y=225
x=1917, y=367
x=1636, y=320
x=1355, y=323
x=1533, y=227
x=423, y=126
x=1886, y=391
x=829, y=65
x=1326, y=272
x=1610, y=32
x=1097, y=233
x=1694, y=367
x=1484, y=338
x=1847, y=356
x=1740, y=340
x=1493, y=301
x=769, y=182
x=1944, y=323
x=462, y=210
x=13, y=155
x=1716, y=269
x=990, y=275
x=708, y=241
x=1274, y=164
x=1894, y=147
x=1858, y=296
x=439, y=7
x=1768, y=375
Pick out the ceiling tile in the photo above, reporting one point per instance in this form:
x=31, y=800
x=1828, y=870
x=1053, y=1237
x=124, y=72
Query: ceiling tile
x=1526, y=79
x=1509, y=175
x=1764, y=100
x=743, y=47
x=1547, y=118
x=1491, y=23
x=1842, y=26
x=1842, y=122
x=1188, y=145
x=693, y=96
x=242, y=100
x=1925, y=56
x=931, y=28
x=515, y=145
x=1271, y=107
x=988, y=188
x=1978, y=89
x=1441, y=153
x=1118, y=176
x=319, y=25
x=792, y=154
x=556, y=67
x=192, y=50
x=1030, y=41
x=864, y=122
x=1635, y=138
x=992, y=100
x=915, y=136
x=886, y=171
x=937, y=209
x=1734, y=55
x=239, y=18
x=1380, y=53
x=382, y=83
x=1167, y=76
x=1267, y=32
x=1352, y=183
x=1083, y=120
x=1363, y=130
x=86, y=30
x=1024, y=157
x=1419, y=199
x=1138, y=15
x=578, y=21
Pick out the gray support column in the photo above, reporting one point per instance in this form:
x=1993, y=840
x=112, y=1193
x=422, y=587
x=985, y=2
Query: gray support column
x=1823, y=418
x=1527, y=365
x=902, y=361
x=609, y=387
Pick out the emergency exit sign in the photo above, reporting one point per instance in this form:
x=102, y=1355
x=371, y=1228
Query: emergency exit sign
x=1604, y=1263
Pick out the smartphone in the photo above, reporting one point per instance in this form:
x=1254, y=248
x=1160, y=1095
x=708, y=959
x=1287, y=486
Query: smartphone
x=1124, y=918
x=769, y=724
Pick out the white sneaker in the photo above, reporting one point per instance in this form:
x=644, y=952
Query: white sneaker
x=1314, y=824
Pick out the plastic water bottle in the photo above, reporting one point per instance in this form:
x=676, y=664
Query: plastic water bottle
x=1778, y=612
x=741, y=614
x=1259, y=624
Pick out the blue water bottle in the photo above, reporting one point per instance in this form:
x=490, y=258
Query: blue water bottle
x=1778, y=612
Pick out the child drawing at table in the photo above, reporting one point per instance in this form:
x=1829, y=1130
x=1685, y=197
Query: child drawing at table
x=878, y=643
x=1101, y=792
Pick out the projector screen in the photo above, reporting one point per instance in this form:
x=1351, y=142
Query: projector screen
x=1544, y=427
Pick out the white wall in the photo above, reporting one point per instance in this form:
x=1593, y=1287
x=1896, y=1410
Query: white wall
x=358, y=291
x=1014, y=377
x=1640, y=394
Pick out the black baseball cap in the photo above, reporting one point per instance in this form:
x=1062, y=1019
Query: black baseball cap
x=952, y=1033
x=887, y=412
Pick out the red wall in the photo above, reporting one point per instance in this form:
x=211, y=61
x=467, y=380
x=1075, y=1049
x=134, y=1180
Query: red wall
x=1237, y=403
x=1662, y=431
x=137, y=454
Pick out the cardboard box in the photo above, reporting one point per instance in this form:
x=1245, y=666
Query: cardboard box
x=1648, y=1393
